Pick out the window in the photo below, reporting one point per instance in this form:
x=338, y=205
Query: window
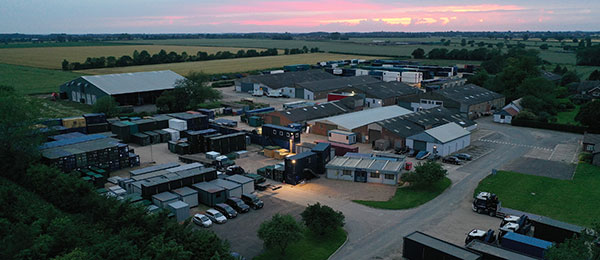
x=589, y=147
x=346, y=173
x=274, y=132
x=374, y=175
x=346, y=137
x=329, y=134
x=280, y=133
x=287, y=134
x=389, y=176
x=297, y=135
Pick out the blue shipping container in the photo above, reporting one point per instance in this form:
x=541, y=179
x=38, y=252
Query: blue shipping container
x=525, y=244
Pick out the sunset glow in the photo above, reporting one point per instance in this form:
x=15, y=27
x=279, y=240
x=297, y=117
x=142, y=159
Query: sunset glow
x=295, y=16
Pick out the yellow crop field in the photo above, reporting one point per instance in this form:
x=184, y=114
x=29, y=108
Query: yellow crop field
x=232, y=65
x=52, y=57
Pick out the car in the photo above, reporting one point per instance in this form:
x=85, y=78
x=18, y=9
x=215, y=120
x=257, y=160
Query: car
x=202, y=220
x=412, y=153
x=238, y=204
x=226, y=210
x=464, y=156
x=422, y=155
x=215, y=216
x=452, y=160
x=252, y=201
x=234, y=169
x=434, y=158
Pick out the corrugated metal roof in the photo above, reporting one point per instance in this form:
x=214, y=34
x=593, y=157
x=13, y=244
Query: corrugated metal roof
x=114, y=84
x=354, y=120
x=337, y=83
x=369, y=164
x=448, y=132
x=288, y=79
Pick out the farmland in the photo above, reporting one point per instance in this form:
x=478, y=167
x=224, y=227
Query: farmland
x=29, y=80
x=60, y=44
x=231, y=65
x=51, y=57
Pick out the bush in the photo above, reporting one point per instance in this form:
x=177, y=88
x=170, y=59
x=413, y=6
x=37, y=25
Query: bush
x=425, y=174
x=107, y=105
x=585, y=157
x=279, y=232
x=551, y=126
x=322, y=220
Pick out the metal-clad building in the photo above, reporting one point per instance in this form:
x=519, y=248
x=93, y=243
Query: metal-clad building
x=127, y=88
x=375, y=170
x=443, y=140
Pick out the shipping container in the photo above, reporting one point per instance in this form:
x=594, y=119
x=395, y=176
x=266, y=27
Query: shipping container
x=187, y=195
x=524, y=244
x=177, y=124
x=74, y=122
x=154, y=168
x=154, y=137
x=162, y=121
x=98, y=118
x=342, y=137
x=493, y=252
x=141, y=139
x=419, y=246
x=323, y=152
x=553, y=230
x=300, y=167
x=207, y=112
x=180, y=209
x=182, y=148
x=164, y=135
x=193, y=121
x=174, y=134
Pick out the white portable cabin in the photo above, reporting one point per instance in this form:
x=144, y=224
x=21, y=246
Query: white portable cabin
x=180, y=209
x=412, y=77
x=247, y=183
x=163, y=199
x=187, y=195
x=173, y=133
x=177, y=124
x=343, y=137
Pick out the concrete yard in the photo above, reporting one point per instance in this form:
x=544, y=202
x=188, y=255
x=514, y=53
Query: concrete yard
x=539, y=167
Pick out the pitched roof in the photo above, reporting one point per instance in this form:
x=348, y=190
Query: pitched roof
x=288, y=79
x=411, y=124
x=588, y=85
x=123, y=83
x=511, y=111
x=357, y=119
x=550, y=76
x=469, y=94
x=382, y=89
x=336, y=83
x=448, y=132
x=322, y=110
x=371, y=164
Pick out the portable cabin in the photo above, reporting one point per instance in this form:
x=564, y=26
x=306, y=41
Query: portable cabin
x=281, y=135
x=301, y=167
x=163, y=199
x=180, y=209
x=342, y=137
x=419, y=246
x=340, y=149
x=187, y=195
x=247, y=183
x=178, y=124
x=210, y=194
x=232, y=189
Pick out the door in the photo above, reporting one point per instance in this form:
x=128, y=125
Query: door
x=374, y=135
x=419, y=145
x=360, y=176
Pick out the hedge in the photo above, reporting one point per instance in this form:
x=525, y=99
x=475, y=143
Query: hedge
x=550, y=126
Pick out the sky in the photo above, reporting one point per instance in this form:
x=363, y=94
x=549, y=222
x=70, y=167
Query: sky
x=227, y=16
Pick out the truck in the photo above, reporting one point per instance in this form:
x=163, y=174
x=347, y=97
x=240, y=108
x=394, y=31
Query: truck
x=220, y=165
x=275, y=93
x=481, y=235
x=524, y=244
x=486, y=203
x=520, y=225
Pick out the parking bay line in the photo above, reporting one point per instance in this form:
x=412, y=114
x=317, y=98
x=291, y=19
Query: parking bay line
x=513, y=144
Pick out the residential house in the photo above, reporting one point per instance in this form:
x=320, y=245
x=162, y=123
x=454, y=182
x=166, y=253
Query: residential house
x=508, y=112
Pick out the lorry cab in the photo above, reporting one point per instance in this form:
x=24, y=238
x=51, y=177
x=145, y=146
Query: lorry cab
x=509, y=219
x=481, y=235
x=485, y=202
x=522, y=225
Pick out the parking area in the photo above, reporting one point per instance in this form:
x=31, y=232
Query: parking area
x=539, y=167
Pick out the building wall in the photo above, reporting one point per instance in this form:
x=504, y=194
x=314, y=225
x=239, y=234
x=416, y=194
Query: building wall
x=373, y=102
x=80, y=90
x=596, y=159
x=503, y=119
x=362, y=134
x=309, y=95
x=283, y=120
x=321, y=128
x=447, y=148
x=395, y=140
x=475, y=111
x=290, y=92
x=337, y=174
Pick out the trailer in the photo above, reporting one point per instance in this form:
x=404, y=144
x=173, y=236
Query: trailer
x=493, y=252
x=419, y=246
x=524, y=244
x=553, y=230
x=342, y=137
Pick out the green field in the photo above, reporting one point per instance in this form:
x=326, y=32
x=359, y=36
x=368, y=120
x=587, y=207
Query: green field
x=410, y=197
x=310, y=247
x=29, y=80
x=575, y=201
x=59, y=44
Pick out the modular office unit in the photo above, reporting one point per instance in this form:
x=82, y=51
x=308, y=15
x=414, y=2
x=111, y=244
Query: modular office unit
x=210, y=194
x=232, y=189
x=180, y=209
x=281, y=135
x=247, y=183
x=163, y=199
x=375, y=170
x=300, y=167
x=187, y=195
x=340, y=136
x=419, y=246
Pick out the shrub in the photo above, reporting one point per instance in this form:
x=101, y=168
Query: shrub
x=322, y=220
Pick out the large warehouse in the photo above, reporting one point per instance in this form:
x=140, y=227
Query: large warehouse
x=127, y=88
x=442, y=140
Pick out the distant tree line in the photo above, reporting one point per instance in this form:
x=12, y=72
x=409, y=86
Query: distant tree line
x=302, y=50
x=457, y=54
x=144, y=58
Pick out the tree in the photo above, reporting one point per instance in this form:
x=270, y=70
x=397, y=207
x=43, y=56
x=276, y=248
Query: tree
x=500, y=45
x=544, y=46
x=279, y=232
x=425, y=174
x=65, y=65
x=107, y=105
x=418, y=53
x=589, y=114
x=595, y=75
x=463, y=42
x=322, y=220
x=569, y=77
x=558, y=70
x=525, y=37
x=479, y=78
x=544, y=38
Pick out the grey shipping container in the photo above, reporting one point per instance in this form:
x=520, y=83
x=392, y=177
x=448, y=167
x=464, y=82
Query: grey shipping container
x=154, y=137
x=140, y=139
x=180, y=209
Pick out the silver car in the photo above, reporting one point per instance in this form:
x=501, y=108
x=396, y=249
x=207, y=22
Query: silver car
x=216, y=216
x=202, y=220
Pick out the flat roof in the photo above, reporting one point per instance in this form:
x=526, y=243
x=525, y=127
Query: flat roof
x=165, y=196
x=123, y=83
x=238, y=179
x=443, y=246
x=367, y=164
x=185, y=191
x=559, y=224
x=354, y=120
x=229, y=185
x=154, y=168
x=497, y=251
x=208, y=187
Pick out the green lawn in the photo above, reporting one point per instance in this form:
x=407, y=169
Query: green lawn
x=29, y=80
x=409, y=197
x=568, y=117
x=62, y=108
x=576, y=201
x=309, y=247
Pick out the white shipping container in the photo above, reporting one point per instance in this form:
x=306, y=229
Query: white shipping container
x=175, y=135
x=177, y=124
x=343, y=137
x=212, y=155
x=412, y=77
x=360, y=72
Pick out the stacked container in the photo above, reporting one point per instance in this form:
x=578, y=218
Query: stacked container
x=178, y=124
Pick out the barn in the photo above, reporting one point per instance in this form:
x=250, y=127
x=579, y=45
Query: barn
x=442, y=140
x=127, y=88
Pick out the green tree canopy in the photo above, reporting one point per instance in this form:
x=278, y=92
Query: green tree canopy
x=107, y=105
x=279, y=232
x=425, y=174
x=418, y=53
x=321, y=219
x=589, y=114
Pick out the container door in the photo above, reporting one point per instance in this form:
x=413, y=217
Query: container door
x=360, y=176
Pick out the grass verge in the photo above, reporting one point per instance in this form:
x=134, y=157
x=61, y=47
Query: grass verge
x=575, y=201
x=410, y=197
x=568, y=117
x=29, y=80
x=309, y=247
